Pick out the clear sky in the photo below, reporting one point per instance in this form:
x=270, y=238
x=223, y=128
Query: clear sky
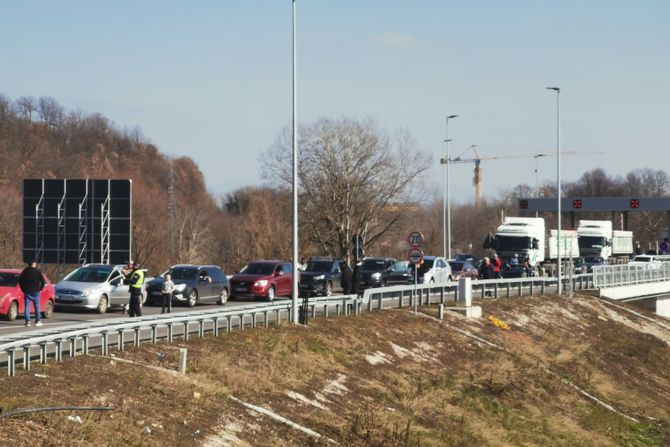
x=212, y=79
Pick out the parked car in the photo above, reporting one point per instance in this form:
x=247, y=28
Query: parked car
x=95, y=286
x=592, y=261
x=463, y=269
x=322, y=276
x=263, y=279
x=11, y=298
x=374, y=271
x=437, y=270
x=397, y=273
x=651, y=261
x=193, y=284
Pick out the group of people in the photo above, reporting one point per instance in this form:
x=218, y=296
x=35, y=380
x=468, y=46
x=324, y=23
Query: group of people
x=490, y=268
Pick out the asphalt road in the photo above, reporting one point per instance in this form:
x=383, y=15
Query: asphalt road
x=62, y=317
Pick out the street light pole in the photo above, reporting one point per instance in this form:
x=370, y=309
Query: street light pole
x=296, y=273
x=446, y=198
x=558, y=184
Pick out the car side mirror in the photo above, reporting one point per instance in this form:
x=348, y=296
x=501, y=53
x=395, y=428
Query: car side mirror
x=536, y=244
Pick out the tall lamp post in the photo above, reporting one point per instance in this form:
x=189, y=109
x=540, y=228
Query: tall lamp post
x=446, y=199
x=558, y=183
x=296, y=273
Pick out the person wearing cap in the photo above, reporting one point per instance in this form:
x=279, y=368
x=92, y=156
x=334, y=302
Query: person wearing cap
x=135, y=280
x=31, y=282
x=486, y=269
x=515, y=260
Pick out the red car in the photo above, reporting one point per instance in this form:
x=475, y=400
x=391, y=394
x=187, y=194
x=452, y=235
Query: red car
x=11, y=298
x=263, y=279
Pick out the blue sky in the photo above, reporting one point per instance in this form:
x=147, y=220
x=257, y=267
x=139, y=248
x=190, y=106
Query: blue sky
x=212, y=79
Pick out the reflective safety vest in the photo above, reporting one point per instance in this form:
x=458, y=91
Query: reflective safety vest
x=137, y=279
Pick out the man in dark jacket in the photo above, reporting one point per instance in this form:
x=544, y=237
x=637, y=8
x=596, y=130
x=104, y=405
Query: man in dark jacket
x=347, y=277
x=357, y=278
x=31, y=283
x=486, y=269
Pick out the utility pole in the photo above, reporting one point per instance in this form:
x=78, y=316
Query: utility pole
x=172, y=213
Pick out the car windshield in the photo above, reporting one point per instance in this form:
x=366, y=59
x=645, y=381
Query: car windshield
x=319, y=266
x=375, y=265
x=400, y=266
x=8, y=279
x=183, y=273
x=456, y=266
x=591, y=242
x=513, y=243
x=90, y=274
x=258, y=268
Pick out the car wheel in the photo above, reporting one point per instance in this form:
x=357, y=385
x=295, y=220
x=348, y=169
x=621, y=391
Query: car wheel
x=13, y=311
x=329, y=289
x=271, y=293
x=103, y=304
x=48, y=309
x=192, y=298
x=223, y=297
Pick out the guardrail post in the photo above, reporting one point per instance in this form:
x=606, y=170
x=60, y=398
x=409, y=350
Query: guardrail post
x=542, y=286
x=59, y=350
x=136, y=338
x=325, y=311
x=73, y=346
x=242, y=322
x=43, y=353
x=229, y=323
x=531, y=286
x=215, y=324
x=337, y=308
x=169, y=332
x=84, y=348
x=313, y=306
x=345, y=308
x=520, y=287
x=11, y=363
x=153, y=333
x=183, y=353
x=201, y=327
x=253, y=320
x=440, y=312
x=103, y=343
x=185, y=331
x=266, y=323
x=26, y=357
x=379, y=301
x=369, y=303
x=483, y=290
x=119, y=339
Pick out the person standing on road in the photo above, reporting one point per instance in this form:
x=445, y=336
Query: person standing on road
x=497, y=265
x=357, y=278
x=135, y=279
x=31, y=283
x=664, y=247
x=347, y=277
x=166, y=289
x=486, y=269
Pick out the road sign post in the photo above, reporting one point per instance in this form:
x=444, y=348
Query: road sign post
x=415, y=256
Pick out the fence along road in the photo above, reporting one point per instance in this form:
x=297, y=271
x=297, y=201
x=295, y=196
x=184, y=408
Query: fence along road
x=53, y=343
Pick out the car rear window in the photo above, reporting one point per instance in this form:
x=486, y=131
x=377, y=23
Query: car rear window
x=319, y=266
x=187, y=273
x=8, y=279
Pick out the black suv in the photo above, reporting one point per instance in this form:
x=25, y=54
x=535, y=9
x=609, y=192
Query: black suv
x=192, y=284
x=322, y=276
x=375, y=272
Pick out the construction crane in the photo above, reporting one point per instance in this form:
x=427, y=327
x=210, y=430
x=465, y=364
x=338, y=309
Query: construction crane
x=477, y=180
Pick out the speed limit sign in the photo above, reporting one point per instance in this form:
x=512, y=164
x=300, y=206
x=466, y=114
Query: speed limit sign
x=415, y=239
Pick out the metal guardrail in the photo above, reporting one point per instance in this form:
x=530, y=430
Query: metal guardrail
x=80, y=338
x=626, y=275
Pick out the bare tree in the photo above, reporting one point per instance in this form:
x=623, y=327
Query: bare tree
x=25, y=107
x=51, y=113
x=354, y=180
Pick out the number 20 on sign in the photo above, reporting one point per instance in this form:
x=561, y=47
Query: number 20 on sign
x=415, y=239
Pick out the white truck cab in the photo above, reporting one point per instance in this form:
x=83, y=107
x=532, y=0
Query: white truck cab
x=521, y=235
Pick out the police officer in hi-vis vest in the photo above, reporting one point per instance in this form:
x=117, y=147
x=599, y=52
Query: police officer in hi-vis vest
x=135, y=280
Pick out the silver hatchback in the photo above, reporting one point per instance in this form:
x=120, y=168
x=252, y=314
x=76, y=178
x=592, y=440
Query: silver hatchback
x=94, y=286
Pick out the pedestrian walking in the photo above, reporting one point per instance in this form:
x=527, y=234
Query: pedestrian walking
x=166, y=289
x=31, y=283
x=357, y=278
x=347, y=277
x=135, y=279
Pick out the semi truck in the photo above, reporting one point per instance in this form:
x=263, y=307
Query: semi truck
x=569, y=247
x=519, y=235
x=597, y=238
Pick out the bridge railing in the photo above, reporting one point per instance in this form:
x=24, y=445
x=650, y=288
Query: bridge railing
x=626, y=275
x=54, y=343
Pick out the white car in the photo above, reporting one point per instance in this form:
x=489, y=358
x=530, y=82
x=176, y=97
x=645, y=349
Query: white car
x=436, y=270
